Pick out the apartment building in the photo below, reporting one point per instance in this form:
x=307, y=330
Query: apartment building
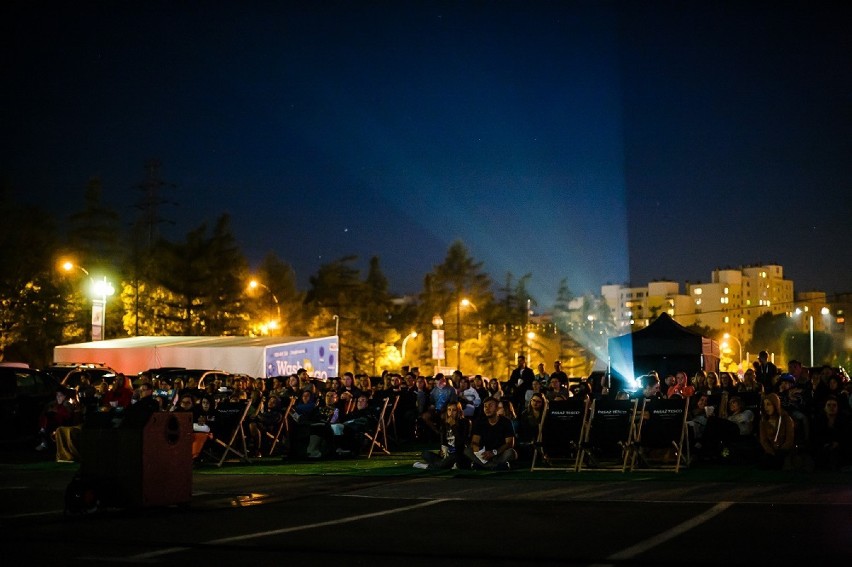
x=730, y=302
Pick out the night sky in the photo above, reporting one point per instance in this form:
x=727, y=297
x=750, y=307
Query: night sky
x=602, y=142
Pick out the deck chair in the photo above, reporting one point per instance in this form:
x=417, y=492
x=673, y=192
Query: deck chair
x=662, y=428
x=378, y=437
x=560, y=435
x=390, y=420
x=606, y=436
x=229, y=434
x=283, y=428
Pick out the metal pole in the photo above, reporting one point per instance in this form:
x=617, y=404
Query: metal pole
x=458, y=333
x=811, y=332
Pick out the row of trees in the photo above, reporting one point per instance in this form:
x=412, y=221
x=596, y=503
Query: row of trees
x=198, y=286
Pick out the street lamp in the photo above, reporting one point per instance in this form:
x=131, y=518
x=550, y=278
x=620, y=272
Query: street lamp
x=100, y=290
x=739, y=344
x=254, y=284
x=463, y=302
x=410, y=335
x=823, y=311
x=438, y=339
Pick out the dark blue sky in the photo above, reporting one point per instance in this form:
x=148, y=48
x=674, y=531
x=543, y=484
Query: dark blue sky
x=602, y=142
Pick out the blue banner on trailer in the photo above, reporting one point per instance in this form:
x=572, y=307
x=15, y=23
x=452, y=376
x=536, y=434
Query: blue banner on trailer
x=318, y=356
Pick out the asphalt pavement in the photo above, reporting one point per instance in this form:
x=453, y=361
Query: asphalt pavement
x=423, y=519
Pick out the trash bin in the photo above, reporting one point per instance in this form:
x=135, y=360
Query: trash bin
x=140, y=467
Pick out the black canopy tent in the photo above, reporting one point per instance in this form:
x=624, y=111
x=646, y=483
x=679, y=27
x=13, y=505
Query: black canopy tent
x=665, y=346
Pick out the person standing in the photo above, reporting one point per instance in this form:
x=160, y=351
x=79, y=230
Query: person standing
x=542, y=377
x=520, y=381
x=765, y=372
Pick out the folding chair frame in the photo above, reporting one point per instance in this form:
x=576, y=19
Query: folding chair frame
x=229, y=446
x=378, y=438
x=283, y=427
x=681, y=446
x=585, y=446
x=539, y=444
x=390, y=420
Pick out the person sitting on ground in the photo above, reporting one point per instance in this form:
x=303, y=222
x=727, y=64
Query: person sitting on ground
x=699, y=382
x=529, y=425
x=469, y=398
x=492, y=444
x=713, y=385
x=832, y=434
x=749, y=382
x=495, y=389
x=537, y=388
x=816, y=392
x=728, y=383
x=479, y=385
x=794, y=402
x=777, y=433
x=455, y=438
x=441, y=395
x=742, y=447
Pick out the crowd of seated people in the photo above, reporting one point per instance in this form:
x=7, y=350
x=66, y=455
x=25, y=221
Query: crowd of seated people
x=798, y=419
x=798, y=416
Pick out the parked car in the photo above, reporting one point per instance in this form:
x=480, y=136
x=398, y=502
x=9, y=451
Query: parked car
x=24, y=393
x=68, y=373
x=201, y=375
x=163, y=373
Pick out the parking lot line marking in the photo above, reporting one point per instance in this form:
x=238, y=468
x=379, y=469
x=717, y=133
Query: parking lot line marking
x=643, y=546
x=245, y=537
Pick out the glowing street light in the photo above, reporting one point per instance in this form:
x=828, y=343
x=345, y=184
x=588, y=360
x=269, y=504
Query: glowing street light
x=410, y=335
x=254, y=284
x=438, y=339
x=100, y=290
x=464, y=302
x=739, y=344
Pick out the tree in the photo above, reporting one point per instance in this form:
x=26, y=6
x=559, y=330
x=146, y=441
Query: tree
x=33, y=297
x=571, y=353
x=95, y=233
x=458, y=277
x=202, y=280
x=337, y=290
x=96, y=241
x=280, y=278
x=768, y=333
